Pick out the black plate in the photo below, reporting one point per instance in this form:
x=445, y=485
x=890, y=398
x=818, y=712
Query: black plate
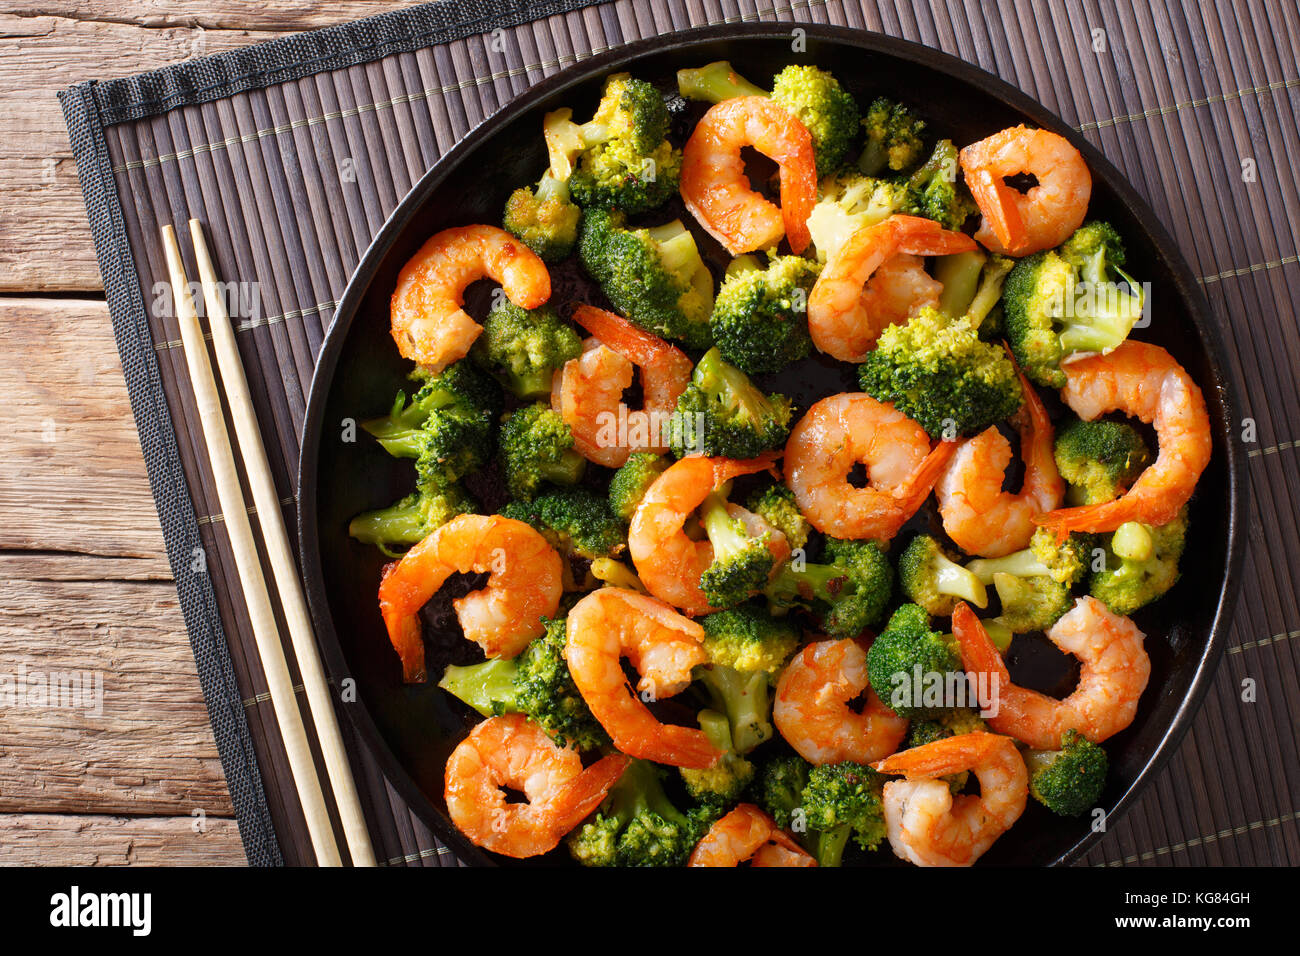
x=412, y=729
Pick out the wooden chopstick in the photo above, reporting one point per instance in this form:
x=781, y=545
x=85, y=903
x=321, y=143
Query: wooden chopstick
x=269, y=648
x=284, y=569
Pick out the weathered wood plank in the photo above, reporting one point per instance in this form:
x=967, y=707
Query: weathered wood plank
x=72, y=478
x=35, y=839
x=279, y=15
x=130, y=734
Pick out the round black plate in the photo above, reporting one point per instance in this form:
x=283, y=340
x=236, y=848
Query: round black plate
x=412, y=729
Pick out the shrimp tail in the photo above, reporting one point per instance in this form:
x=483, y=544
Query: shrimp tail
x=678, y=746
x=997, y=202
x=584, y=793
x=949, y=755
x=1106, y=516
x=724, y=469
x=404, y=632
x=978, y=655
x=636, y=345
x=921, y=482
x=925, y=237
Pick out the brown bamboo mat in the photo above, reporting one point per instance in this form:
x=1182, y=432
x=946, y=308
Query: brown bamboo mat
x=294, y=155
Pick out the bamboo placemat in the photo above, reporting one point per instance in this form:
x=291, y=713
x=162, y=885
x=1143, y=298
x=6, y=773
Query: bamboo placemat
x=294, y=152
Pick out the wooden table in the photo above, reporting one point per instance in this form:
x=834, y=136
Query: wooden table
x=84, y=580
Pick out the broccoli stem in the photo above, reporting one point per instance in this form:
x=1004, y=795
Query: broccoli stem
x=960, y=275
x=1020, y=564
x=399, y=523
x=953, y=580
x=566, y=471
x=726, y=534
x=822, y=582
x=1098, y=332
x=992, y=279
x=731, y=386
x=1132, y=542
x=715, y=82
x=488, y=687
x=828, y=845
x=740, y=701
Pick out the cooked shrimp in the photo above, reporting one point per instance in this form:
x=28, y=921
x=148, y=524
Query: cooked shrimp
x=669, y=562
x=663, y=646
x=523, y=587
x=1113, y=672
x=875, y=280
x=977, y=514
x=747, y=833
x=429, y=325
x=512, y=751
x=1144, y=381
x=842, y=431
x=812, y=711
x=929, y=826
x=717, y=192
x=1016, y=223
x=588, y=392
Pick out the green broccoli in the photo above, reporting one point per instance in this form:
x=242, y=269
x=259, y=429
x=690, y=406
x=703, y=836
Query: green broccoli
x=655, y=277
x=412, y=519
x=630, y=483
x=760, y=321
x=850, y=591
x=937, y=371
x=637, y=825
x=575, y=521
x=1058, y=302
x=1141, y=564
x=848, y=202
x=1099, y=460
x=840, y=801
x=903, y=649
x=446, y=425
x=544, y=218
x=810, y=94
x=741, y=562
x=930, y=577
x=776, y=505
x=893, y=138
x=934, y=192
x=1068, y=781
x=536, y=683
x=536, y=447
x=778, y=789
x=1031, y=603
x=972, y=284
x=1034, y=584
x=724, y=782
x=722, y=413
x=524, y=348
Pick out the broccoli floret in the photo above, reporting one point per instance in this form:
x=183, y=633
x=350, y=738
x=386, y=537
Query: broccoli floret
x=826, y=109
x=893, y=138
x=1099, y=460
x=931, y=578
x=1031, y=603
x=537, y=447
x=447, y=424
x=1034, y=584
x=544, y=218
x=654, y=277
x=524, y=348
x=812, y=95
x=936, y=371
x=776, y=505
x=850, y=591
x=1068, y=781
x=1058, y=302
x=934, y=192
x=637, y=825
x=779, y=787
x=412, y=519
x=972, y=284
x=760, y=317
x=748, y=639
x=906, y=644
x=848, y=202
x=536, y=683
x=630, y=483
x=724, y=782
x=722, y=413
x=741, y=563
x=575, y=521
x=840, y=801
x=1141, y=564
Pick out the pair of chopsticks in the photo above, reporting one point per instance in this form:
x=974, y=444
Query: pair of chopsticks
x=221, y=455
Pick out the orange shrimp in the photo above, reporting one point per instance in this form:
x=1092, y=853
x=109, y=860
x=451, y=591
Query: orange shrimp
x=524, y=586
x=811, y=709
x=852, y=428
x=1113, y=673
x=588, y=392
x=669, y=562
x=929, y=826
x=868, y=285
x=512, y=751
x=1016, y=223
x=429, y=324
x=977, y=514
x=1144, y=381
x=747, y=833
x=663, y=646
x=717, y=192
